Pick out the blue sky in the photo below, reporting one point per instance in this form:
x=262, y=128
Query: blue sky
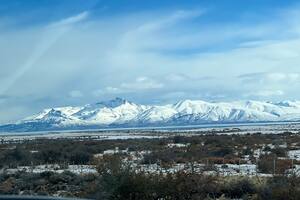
x=57, y=53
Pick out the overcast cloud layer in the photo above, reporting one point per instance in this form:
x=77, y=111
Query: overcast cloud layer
x=88, y=52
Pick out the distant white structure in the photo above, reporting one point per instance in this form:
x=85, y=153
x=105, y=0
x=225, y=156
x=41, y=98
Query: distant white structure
x=114, y=151
x=179, y=145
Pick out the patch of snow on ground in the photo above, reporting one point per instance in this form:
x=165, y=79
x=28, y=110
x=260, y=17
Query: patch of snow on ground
x=294, y=154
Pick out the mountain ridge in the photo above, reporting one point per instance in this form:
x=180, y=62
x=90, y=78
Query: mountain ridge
x=120, y=112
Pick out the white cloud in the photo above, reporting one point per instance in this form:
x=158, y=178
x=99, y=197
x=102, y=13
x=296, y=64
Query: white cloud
x=270, y=77
x=174, y=95
x=142, y=83
x=70, y=20
x=265, y=93
x=107, y=90
x=112, y=89
x=282, y=76
x=75, y=94
x=276, y=76
x=97, y=93
x=176, y=77
x=168, y=20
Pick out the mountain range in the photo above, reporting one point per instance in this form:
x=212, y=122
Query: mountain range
x=120, y=113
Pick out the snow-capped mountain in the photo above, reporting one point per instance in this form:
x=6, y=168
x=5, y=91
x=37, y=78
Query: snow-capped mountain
x=122, y=113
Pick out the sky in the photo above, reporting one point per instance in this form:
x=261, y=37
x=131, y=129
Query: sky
x=74, y=52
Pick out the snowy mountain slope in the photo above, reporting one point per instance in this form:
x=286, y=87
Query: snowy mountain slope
x=119, y=111
x=122, y=113
x=156, y=114
x=60, y=112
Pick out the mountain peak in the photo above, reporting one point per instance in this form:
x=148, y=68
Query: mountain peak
x=188, y=102
x=113, y=103
x=287, y=103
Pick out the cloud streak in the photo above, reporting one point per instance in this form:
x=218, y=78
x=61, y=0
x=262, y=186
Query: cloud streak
x=69, y=21
x=50, y=35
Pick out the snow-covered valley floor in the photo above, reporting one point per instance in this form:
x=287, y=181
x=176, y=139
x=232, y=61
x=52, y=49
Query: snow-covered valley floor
x=156, y=132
